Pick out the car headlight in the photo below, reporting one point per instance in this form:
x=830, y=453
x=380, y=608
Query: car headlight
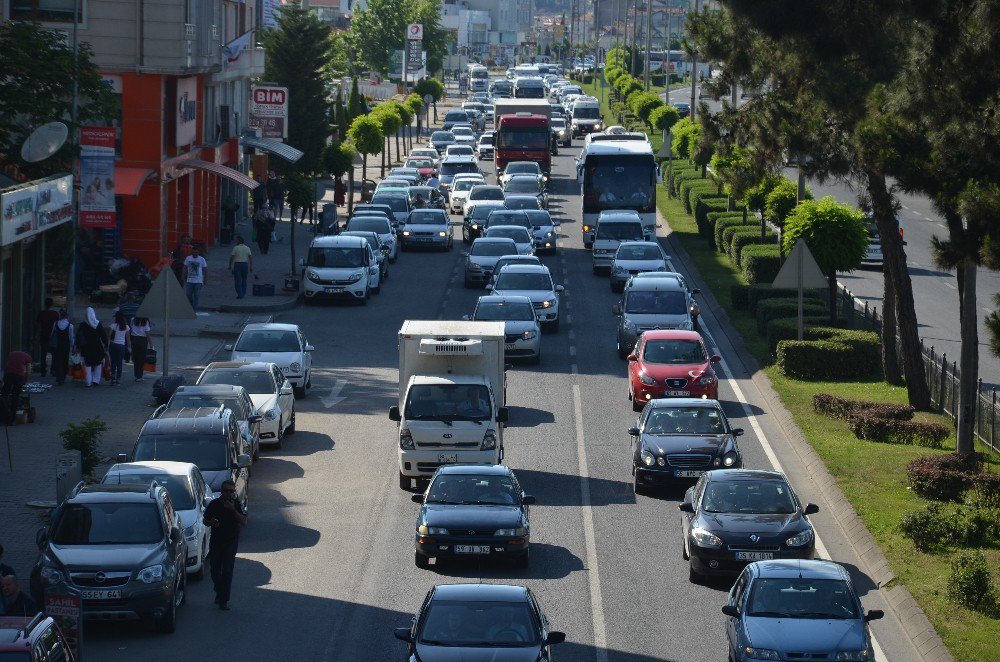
x=706, y=379
x=313, y=276
x=647, y=458
x=52, y=575
x=801, y=539
x=647, y=380
x=695, y=309
x=475, y=226
x=548, y=303
x=729, y=459
x=851, y=656
x=442, y=233
x=354, y=277
x=151, y=575
x=473, y=265
x=550, y=235
x=489, y=441
x=528, y=335
x=271, y=414
x=507, y=533
x=598, y=126
x=295, y=367
x=706, y=539
x=425, y=530
x=406, y=233
x=760, y=653
x=189, y=532
x=406, y=439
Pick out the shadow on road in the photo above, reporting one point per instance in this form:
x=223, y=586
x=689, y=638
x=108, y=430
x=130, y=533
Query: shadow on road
x=547, y=562
x=552, y=489
x=529, y=417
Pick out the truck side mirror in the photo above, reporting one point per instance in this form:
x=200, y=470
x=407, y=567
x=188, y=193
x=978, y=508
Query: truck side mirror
x=502, y=415
x=394, y=414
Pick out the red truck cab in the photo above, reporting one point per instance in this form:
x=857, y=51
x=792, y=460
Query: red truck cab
x=523, y=136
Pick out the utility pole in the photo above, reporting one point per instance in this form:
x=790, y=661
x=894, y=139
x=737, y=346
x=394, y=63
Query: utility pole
x=74, y=111
x=635, y=33
x=618, y=23
x=666, y=53
x=694, y=75
x=649, y=36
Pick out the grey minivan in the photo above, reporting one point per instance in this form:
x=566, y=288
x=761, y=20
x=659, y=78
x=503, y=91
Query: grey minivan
x=647, y=304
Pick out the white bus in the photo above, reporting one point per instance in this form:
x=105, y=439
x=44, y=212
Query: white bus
x=618, y=175
x=479, y=78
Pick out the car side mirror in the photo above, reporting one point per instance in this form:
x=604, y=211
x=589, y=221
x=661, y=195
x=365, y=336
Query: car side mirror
x=737, y=432
x=309, y=347
x=228, y=347
x=403, y=634
x=242, y=461
x=874, y=615
x=528, y=500
x=616, y=309
x=716, y=358
x=285, y=389
x=560, y=288
x=502, y=415
x=394, y=414
x=632, y=357
x=41, y=537
x=731, y=610
x=685, y=507
x=554, y=638
x=417, y=498
x=256, y=418
x=810, y=509
x=633, y=431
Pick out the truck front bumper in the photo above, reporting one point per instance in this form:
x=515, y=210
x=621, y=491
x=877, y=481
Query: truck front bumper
x=423, y=463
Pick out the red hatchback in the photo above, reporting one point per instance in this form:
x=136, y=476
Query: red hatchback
x=671, y=364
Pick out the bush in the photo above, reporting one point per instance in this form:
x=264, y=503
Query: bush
x=728, y=222
x=773, y=309
x=985, y=491
x=970, y=583
x=86, y=438
x=687, y=187
x=677, y=168
x=713, y=217
x=870, y=427
x=847, y=408
x=760, y=263
x=684, y=176
x=787, y=328
x=764, y=291
x=929, y=529
x=846, y=355
x=738, y=296
x=943, y=477
x=748, y=236
x=703, y=206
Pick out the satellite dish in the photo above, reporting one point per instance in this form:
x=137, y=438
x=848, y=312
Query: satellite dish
x=44, y=141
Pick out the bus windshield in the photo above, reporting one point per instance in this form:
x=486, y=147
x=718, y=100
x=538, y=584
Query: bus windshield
x=616, y=181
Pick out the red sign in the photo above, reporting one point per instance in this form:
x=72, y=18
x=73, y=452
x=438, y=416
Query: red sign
x=272, y=96
x=67, y=611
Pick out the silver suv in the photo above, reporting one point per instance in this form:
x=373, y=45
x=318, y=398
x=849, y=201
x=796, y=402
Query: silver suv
x=651, y=303
x=122, y=547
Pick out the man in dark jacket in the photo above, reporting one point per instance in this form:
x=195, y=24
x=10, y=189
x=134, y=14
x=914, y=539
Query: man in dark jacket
x=17, y=603
x=226, y=517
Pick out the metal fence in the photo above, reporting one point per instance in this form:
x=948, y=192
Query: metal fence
x=943, y=376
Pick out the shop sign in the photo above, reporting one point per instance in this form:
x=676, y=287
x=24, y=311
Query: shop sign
x=269, y=111
x=34, y=208
x=186, y=111
x=97, y=177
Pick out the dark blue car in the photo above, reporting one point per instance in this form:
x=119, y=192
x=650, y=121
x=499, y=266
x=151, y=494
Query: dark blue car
x=797, y=610
x=480, y=622
x=473, y=511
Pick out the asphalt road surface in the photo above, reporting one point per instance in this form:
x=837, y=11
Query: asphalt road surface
x=326, y=571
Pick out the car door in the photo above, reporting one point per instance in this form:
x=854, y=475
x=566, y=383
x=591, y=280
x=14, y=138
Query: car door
x=736, y=595
x=284, y=396
x=307, y=355
x=241, y=475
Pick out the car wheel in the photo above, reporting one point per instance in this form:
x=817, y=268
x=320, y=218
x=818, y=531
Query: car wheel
x=523, y=560
x=299, y=392
x=167, y=624
x=693, y=576
x=637, y=486
x=421, y=561
x=404, y=482
x=291, y=424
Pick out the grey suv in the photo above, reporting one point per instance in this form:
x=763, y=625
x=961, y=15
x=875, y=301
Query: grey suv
x=651, y=303
x=231, y=397
x=122, y=547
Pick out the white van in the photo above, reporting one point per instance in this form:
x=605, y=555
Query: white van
x=613, y=227
x=529, y=88
x=586, y=116
x=340, y=267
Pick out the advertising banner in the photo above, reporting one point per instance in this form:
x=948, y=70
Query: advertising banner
x=269, y=111
x=187, y=111
x=414, y=62
x=97, y=177
x=34, y=208
x=67, y=611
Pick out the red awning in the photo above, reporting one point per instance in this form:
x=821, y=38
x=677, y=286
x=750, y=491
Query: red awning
x=128, y=181
x=231, y=174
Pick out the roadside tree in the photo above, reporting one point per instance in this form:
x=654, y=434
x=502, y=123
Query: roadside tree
x=366, y=134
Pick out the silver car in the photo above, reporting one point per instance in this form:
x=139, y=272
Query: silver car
x=482, y=258
x=521, y=236
x=544, y=229
x=534, y=282
x=647, y=304
x=522, y=333
x=635, y=257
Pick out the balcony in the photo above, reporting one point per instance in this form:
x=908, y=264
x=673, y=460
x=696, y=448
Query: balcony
x=249, y=65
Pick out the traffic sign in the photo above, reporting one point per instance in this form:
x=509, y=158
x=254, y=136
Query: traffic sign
x=800, y=271
x=415, y=31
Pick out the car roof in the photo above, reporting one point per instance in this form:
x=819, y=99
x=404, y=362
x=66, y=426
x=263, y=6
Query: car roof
x=339, y=241
x=506, y=227
x=527, y=269
x=209, y=389
x=743, y=474
x=479, y=469
x=187, y=420
x=480, y=592
x=100, y=493
x=611, y=147
x=671, y=334
x=460, y=158
x=668, y=403
x=270, y=326
x=519, y=196
x=151, y=466
x=801, y=568
x=639, y=243
x=656, y=285
x=500, y=298
x=493, y=240
x=253, y=365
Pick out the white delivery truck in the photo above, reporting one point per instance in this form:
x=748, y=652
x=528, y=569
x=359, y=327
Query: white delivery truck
x=451, y=396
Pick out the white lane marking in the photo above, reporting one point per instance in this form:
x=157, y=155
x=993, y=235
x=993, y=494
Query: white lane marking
x=593, y=574
x=947, y=284
x=572, y=350
x=572, y=334
x=334, y=397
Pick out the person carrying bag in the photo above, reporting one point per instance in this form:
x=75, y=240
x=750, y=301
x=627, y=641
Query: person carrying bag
x=140, y=346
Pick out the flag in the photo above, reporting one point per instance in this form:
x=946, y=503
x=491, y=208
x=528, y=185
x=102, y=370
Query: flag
x=232, y=50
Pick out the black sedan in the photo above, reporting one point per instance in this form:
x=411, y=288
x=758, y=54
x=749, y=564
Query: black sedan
x=733, y=517
x=473, y=511
x=472, y=622
x=678, y=439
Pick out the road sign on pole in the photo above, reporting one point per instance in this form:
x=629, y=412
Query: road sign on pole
x=800, y=271
x=164, y=300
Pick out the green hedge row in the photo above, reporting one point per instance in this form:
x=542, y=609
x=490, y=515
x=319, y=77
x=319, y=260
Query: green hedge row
x=773, y=309
x=714, y=217
x=787, y=328
x=747, y=236
x=691, y=186
x=705, y=205
x=723, y=224
x=675, y=170
x=685, y=176
x=848, y=354
x=760, y=263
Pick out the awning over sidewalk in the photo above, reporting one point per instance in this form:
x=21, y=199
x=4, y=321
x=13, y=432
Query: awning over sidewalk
x=231, y=174
x=128, y=181
x=286, y=152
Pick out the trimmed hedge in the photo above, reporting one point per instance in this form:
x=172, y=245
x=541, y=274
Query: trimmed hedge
x=764, y=291
x=738, y=296
x=685, y=176
x=706, y=205
x=870, y=427
x=748, y=237
x=773, y=309
x=848, y=408
x=727, y=237
x=678, y=168
x=787, y=328
x=728, y=222
x=696, y=193
x=944, y=477
x=760, y=263
x=691, y=185
x=847, y=355
x=714, y=217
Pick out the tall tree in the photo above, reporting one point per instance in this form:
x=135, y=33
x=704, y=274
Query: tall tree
x=428, y=14
x=297, y=52
x=355, y=105
x=387, y=117
x=378, y=30
x=433, y=87
x=366, y=134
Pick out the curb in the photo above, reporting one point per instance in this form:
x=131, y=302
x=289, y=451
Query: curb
x=276, y=307
x=914, y=623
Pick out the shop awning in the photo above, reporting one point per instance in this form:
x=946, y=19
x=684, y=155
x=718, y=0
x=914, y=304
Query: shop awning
x=231, y=174
x=286, y=152
x=128, y=181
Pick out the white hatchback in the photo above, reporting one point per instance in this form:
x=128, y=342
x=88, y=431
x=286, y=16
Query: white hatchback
x=282, y=344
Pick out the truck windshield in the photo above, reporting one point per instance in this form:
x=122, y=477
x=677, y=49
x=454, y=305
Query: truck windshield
x=586, y=113
x=448, y=402
x=618, y=182
x=619, y=231
x=523, y=137
x=336, y=258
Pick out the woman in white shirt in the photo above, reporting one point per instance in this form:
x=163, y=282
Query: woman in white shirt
x=118, y=337
x=139, y=340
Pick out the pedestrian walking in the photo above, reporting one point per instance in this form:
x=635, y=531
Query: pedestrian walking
x=45, y=320
x=259, y=196
x=276, y=194
x=226, y=517
x=194, y=277
x=139, y=345
x=92, y=340
x=15, y=374
x=339, y=191
x=63, y=341
x=263, y=226
x=118, y=342
x=16, y=602
x=241, y=264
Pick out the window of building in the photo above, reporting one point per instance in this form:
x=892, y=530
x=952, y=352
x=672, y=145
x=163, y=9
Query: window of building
x=46, y=11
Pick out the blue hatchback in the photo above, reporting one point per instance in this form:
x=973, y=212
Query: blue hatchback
x=797, y=610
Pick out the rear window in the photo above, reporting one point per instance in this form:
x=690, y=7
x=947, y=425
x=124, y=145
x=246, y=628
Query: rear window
x=442, y=135
x=378, y=225
x=493, y=248
x=427, y=217
x=455, y=168
x=395, y=202
x=456, y=116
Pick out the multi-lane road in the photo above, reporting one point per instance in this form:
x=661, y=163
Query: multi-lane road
x=326, y=571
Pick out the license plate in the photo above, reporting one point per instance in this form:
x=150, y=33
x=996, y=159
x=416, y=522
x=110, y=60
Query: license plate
x=333, y=290
x=687, y=473
x=425, y=239
x=508, y=346
x=754, y=556
x=472, y=549
x=677, y=394
x=448, y=458
x=114, y=594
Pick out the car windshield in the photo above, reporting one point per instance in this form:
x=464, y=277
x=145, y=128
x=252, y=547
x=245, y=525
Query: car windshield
x=454, y=168
x=505, y=311
x=448, y=402
x=486, y=141
x=590, y=113
x=470, y=489
x=427, y=217
x=802, y=598
x=634, y=252
x=442, y=136
x=465, y=184
x=479, y=624
x=254, y=381
x=522, y=168
x=523, y=281
x=539, y=218
x=522, y=185
x=456, y=116
x=684, y=420
x=558, y=123
x=509, y=217
x=617, y=231
x=394, y=202
x=679, y=352
x=644, y=302
x=209, y=453
x=461, y=131
x=270, y=340
x=336, y=258
x=493, y=248
x=756, y=497
x=519, y=235
x=179, y=487
x=108, y=524
x=487, y=193
x=180, y=400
